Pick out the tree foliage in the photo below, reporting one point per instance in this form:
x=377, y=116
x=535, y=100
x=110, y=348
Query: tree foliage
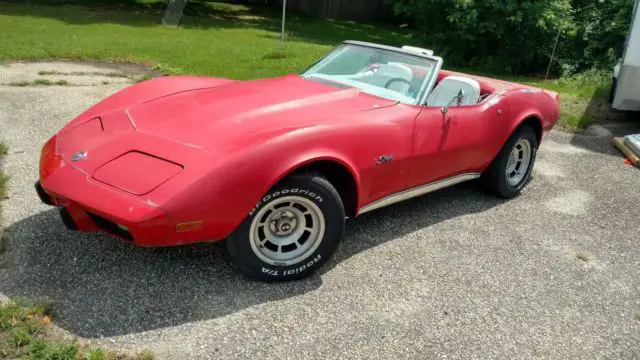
x=519, y=35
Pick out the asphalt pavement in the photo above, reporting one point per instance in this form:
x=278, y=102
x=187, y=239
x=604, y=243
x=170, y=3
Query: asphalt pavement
x=554, y=273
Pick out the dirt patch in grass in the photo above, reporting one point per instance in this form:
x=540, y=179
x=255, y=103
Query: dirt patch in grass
x=49, y=82
x=36, y=82
x=83, y=73
x=114, y=69
x=20, y=83
x=124, y=69
x=67, y=73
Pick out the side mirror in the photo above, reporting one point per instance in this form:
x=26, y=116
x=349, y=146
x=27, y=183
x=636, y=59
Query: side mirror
x=456, y=100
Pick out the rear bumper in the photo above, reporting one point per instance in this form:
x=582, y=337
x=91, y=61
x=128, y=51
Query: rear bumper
x=90, y=206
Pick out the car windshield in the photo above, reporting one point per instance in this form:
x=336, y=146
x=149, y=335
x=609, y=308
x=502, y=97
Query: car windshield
x=389, y=74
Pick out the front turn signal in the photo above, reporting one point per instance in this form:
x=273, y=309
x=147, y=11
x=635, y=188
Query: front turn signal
x=189, y=226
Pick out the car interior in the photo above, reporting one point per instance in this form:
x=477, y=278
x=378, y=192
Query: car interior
x=474, y=88
x=465, y=90
x=448, y=86
x=407, y=80
x=399, y=78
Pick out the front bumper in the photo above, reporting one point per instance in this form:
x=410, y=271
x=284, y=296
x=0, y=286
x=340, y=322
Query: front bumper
x=67, y=220
x=91, y=206
x=44, y=197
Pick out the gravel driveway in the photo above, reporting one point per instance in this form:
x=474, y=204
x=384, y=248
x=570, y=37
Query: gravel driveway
x=554, y=273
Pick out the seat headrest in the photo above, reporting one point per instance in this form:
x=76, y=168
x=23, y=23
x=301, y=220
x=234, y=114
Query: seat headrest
x=450, y=87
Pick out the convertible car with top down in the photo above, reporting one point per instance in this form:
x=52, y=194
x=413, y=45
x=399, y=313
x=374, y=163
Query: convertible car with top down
x=275, y=166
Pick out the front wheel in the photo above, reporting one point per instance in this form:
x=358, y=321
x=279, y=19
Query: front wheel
x=293, y=230
x=511, y=170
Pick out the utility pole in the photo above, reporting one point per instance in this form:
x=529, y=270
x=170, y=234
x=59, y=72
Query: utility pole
x=552, y=55
x=284, y=14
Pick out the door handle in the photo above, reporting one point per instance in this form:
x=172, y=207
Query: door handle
x=384, y=159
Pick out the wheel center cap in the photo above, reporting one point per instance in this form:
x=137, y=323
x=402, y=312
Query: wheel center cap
x=284, y=225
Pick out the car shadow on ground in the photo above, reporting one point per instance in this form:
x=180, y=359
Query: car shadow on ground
x=99, y=286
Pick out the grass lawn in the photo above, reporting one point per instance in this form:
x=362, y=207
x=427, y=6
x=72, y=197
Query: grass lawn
x=228, y=41
x=217, y=39
x=25, y=333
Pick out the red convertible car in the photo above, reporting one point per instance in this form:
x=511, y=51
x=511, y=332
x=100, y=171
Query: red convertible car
x=275, y=166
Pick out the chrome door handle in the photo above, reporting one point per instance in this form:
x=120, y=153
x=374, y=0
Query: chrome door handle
x=384, y=159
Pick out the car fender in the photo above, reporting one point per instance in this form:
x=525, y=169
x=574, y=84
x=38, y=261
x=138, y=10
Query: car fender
x=525, y=104
x=336, y=142
x=523, y=116
x=520, y=107
x=313, y=156
x=274, y=167
x=225, y=192
x=237, y=180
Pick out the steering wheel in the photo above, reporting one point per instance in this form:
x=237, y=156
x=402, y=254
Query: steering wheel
x=386, y=86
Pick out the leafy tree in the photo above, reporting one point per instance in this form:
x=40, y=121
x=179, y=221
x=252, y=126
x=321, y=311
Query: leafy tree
x=602, y=28
x=518, y=35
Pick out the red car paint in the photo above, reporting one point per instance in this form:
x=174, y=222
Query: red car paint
x=177, y=150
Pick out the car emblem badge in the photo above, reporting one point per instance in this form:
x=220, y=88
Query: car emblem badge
x=80, y=155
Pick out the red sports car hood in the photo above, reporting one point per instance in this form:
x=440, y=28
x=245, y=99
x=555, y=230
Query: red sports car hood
x=250, y=110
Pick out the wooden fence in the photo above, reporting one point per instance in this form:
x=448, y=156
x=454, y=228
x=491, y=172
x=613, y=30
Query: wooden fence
x=337, y=9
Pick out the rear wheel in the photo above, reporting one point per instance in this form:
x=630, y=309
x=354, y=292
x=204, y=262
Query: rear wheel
x=293, y=231
x=511, y=170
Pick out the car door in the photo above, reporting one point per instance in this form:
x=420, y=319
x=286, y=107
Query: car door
x=451, y=143
x=387, y=158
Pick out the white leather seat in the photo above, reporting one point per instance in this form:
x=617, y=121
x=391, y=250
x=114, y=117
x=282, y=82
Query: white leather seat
x=450, y=87
x=390, y=71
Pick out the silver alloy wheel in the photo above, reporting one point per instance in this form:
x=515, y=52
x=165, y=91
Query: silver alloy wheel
x=518, y=163
x=287, y=230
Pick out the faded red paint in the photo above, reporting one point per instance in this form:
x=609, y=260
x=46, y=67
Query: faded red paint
x=231, y=141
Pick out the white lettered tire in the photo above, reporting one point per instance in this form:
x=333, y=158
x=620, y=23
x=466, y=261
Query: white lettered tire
x=292, y=231
x=511, y=170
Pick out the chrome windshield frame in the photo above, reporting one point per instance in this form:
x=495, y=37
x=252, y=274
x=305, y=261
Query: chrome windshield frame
x=428, y=83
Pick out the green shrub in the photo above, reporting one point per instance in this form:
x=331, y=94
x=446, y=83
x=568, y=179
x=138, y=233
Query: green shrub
x=518, y=36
